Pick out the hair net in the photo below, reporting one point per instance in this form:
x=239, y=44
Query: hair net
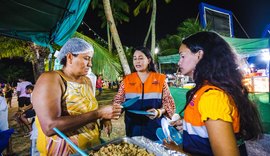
x=75, y=46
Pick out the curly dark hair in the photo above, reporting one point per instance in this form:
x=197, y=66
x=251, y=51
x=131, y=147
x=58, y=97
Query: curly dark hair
x=219, y=67
x=147, y=53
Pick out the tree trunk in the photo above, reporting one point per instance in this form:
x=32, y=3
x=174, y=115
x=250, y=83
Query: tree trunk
x=34, y=69
x=40, y=65
x=153, y=24
x=109, y=38
x=116, y=38
x=147, y=35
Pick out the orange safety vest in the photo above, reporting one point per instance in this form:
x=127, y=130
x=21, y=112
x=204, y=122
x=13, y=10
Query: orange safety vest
x=150, y=93
x=195, y=136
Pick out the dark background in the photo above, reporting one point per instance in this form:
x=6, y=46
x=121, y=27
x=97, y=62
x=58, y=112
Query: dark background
x=253, y=15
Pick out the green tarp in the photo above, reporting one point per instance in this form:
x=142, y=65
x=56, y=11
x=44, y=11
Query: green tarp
x=170, y=59
x=248, y=47
x=244, y=47
x=179, y=96
x=263, y=105
x=42, y=22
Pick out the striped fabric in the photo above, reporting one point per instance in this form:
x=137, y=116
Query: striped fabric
x=208, y=102
x=77, y=99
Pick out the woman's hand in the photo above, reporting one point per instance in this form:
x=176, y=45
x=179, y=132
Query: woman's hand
x=107, y=124
x=178, y=124
x=172, y=146
x=110, y=111
x=155, y=113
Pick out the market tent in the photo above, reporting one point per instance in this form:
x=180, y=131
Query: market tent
x=244, y=47
x=42, y=22
x=249, y=47
x=169, y=59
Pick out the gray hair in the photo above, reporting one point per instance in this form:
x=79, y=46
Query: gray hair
x=75, y=46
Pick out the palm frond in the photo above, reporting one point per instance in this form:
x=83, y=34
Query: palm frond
x=103, y=61
x=142, y=5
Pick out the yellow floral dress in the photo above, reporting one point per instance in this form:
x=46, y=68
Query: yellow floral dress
x=77, y=99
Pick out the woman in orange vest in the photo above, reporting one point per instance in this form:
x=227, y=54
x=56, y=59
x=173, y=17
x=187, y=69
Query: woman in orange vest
x=154, y=96
x=218, y=115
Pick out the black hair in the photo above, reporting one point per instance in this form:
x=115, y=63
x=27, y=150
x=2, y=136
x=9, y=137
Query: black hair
x=147, y=53
x=29, y=87
x=64, y=60
x=219, y=67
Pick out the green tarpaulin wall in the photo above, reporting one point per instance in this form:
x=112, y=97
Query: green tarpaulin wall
x=170, y=59
x=179, y=96
x=263, y=105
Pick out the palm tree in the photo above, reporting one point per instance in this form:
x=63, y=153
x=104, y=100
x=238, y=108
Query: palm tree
x=115, y=35
x=120, y=10
x=171, y=43
x=11, y=48
x=152, y=26
x=10, y=73
x=103, y=61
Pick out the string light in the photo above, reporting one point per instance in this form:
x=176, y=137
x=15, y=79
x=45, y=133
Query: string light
x=95, y=34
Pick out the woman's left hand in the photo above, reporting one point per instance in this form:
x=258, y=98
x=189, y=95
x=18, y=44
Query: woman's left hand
x=154, y=111
x=107, y=125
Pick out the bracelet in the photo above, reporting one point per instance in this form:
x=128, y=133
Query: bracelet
x=159, y=113
x=156, y=116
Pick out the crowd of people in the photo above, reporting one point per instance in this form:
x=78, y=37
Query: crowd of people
x=218, y=116
x=24, y=113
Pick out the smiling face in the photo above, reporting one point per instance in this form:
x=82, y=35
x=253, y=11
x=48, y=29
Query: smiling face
x=81, y=63
x=140, y=61
x=188, y=60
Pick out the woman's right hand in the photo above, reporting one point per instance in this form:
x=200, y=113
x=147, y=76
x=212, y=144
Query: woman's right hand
x=110, y=111
x=171, y=145
x=178, y=124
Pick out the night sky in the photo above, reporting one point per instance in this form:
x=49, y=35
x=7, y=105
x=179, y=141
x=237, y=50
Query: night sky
x=253, y=15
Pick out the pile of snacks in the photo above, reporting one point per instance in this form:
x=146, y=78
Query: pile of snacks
x=122, y=149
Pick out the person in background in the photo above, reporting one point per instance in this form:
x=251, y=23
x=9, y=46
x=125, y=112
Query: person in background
x=5, y=132
x=154, y=95
x=64, y=100
x=23, y=98
x=8, y=91
x=93, y=79
x=99, y=84
x=218, y=115
x=28, y=112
